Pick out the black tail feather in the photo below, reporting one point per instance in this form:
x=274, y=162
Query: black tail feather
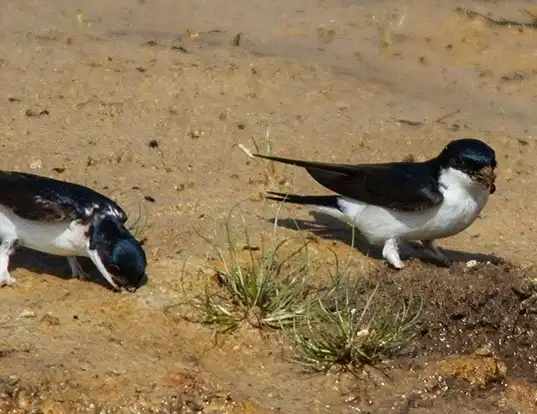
x=326, y=201
x=335, y=168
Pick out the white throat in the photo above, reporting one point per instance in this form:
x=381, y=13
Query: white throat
x=451, y=179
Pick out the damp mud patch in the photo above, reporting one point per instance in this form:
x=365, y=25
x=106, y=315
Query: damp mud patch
x=485, y=308
x=474, y=349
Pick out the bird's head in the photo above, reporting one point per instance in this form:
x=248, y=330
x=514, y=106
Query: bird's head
x=117, y=254
x=473, y=158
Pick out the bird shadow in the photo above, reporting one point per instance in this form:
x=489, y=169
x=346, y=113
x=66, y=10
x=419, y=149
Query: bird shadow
x=328, y=228
x=56, y=266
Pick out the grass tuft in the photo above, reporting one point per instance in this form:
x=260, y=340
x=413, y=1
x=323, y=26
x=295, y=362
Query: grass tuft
x=353, y=325
x=347, y=325
x=264, y=286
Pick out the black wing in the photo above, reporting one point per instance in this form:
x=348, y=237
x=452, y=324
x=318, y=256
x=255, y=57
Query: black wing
x=404, y=186
x=40, y=198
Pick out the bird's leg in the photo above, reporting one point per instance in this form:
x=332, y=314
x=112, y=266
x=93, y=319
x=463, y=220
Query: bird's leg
x=390, y=252
x=430, y=247
x=7, y=247
x=76, y=268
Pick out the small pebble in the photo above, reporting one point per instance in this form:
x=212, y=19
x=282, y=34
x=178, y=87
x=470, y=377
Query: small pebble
x=36, y=163
x=27, y=314
x=471, y=263
x=32, y=112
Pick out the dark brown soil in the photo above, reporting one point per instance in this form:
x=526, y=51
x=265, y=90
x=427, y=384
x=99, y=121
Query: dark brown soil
x=465, y=309
x=477, y=338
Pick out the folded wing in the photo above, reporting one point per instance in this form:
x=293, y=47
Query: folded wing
x=40, y=198
x=400, y=186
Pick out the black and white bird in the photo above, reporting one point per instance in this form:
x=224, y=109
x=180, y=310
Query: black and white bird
x=67, y=219
x=404, y=201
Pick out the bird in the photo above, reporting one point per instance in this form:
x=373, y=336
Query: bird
x=67, y=219
x=397, y=202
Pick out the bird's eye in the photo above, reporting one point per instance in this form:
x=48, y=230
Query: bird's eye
x=457, y=161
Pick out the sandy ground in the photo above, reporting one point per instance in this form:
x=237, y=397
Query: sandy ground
x=345, y=81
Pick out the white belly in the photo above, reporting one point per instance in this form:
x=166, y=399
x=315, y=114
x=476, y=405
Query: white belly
x=463, y=201
x=60, y=238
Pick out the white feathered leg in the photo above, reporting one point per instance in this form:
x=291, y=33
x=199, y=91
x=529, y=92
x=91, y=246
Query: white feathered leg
x=7, y=247
x=390, y=252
